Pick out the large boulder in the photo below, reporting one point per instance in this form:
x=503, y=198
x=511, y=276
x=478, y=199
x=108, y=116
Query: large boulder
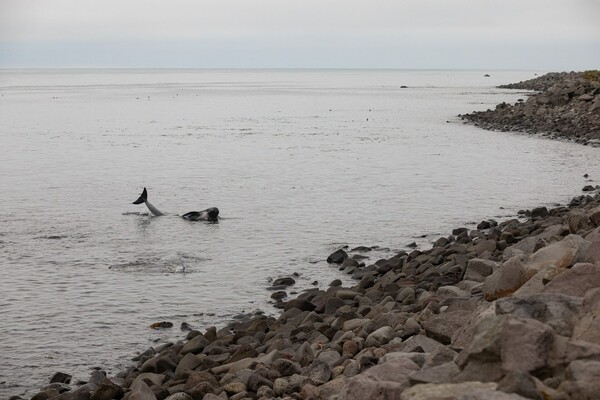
x=443, y=326
x=558, y=311
x=518, y=344
x=506, y=279
x=381, y=382
x=478, y=269
x=575, y=281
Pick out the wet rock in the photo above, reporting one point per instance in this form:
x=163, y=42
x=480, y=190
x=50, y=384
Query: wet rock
x=278, y=295
x=539, y=212
x=61, y=377
x=287, y=281
x=161, y=325
x=337, y=257
x=487, y=224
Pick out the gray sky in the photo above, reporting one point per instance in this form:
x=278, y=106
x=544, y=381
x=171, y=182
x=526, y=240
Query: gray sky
x=478, y=34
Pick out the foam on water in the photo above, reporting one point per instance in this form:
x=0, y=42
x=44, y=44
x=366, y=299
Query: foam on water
x=298, y=162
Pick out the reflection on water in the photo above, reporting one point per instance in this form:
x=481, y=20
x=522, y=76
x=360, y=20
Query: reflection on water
x=299, y=164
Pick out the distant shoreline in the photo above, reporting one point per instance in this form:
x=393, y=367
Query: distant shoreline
x=566, y=105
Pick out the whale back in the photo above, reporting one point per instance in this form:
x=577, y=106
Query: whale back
x=210, y=214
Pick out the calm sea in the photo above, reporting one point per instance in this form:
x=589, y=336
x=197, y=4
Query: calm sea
x=298, y=162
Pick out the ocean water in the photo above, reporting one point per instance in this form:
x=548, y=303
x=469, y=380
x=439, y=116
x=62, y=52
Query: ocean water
x=298, y=162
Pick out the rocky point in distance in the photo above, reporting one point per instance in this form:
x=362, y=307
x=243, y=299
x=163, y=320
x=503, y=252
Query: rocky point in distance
x=565, y=105
x=506, y=311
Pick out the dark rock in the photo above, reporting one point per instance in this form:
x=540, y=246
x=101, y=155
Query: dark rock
x=335, y=282
x=337, y=257
x=362, y=249
x=539, y=212
x=185, y=326
x=287, y=367
x=278, y=295
x=61, y=377
x=301, y=304
x=287, y=281
x=161, y=325
x=490, y=223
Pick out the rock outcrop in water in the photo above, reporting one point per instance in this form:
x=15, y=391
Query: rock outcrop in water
x=567, y=105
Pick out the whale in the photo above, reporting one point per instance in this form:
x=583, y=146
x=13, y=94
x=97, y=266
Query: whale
x=210, y=214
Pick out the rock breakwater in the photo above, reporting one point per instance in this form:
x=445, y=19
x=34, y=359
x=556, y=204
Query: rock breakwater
x=506, y=311
x=566, y=105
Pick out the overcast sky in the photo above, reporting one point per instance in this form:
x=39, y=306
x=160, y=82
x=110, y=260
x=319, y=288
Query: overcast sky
x=465, y=34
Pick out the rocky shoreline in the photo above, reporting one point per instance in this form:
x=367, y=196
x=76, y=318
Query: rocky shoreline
x=566, y=105
x=505, y=311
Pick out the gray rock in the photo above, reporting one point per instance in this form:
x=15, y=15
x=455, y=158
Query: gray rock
x=107, y=390
x=380, y=336
x=443, y=373
x=556, y=310
x=195, y=345
x=520, y=383
x=443, y=326
x=179, y=396
x=448, y=391
x=478, y=269
x=318, y=371
x=582, y=379
x=141, y=391
x=520, y=344
x=505, y=280
x=384, y=381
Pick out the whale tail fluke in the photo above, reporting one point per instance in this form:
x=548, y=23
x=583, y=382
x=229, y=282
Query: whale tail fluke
x=143, y=197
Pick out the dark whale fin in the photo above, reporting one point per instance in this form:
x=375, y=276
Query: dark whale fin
x=143, y=197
